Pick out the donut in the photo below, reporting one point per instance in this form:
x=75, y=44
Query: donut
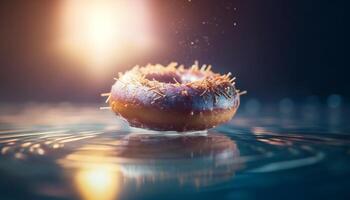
x=174, y=98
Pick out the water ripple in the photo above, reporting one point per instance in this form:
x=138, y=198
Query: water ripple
x=85, y=159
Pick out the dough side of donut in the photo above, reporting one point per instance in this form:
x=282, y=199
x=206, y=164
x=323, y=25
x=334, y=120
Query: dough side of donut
x=157, y=119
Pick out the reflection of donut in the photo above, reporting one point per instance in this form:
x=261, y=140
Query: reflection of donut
x=193, y=159
x=150, y=146
x=208, y=159
x=173, y=98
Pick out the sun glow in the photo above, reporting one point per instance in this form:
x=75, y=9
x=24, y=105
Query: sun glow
x=95, y=176
x=97, y=182
x=103, y=32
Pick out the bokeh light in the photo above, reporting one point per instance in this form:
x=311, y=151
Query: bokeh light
x=101, y=33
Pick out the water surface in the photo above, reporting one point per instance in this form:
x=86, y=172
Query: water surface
x=68, y=152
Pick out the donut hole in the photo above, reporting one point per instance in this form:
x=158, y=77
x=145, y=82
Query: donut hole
x=175, y=77
x=164, y=77
x=191, y=77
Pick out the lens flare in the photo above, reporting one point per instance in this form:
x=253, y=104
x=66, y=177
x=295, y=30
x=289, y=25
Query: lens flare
x=103, y=32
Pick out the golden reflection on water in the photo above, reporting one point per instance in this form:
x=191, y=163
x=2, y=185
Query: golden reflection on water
x=102, y=170
x=99, y=181
x=92, y=173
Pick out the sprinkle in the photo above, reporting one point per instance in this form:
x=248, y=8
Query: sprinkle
x=209, y=67
x=196, y=63
x=215, y=100
x=203, y=67
x=120, y=81
x=105, y=94
x=157, y=98
x=217, y=93
x=152, y=88
x=108, y=99
x=225, y=95
x=105, y=108
x=177, y=82
x=203, y=92
x=243, y=92
x=172, y=64
x=161, y=94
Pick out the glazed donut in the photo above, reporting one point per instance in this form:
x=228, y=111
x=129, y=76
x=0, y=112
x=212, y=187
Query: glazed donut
x=172, y=98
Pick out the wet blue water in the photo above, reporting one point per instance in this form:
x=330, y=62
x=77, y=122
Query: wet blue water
x=69, y=152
